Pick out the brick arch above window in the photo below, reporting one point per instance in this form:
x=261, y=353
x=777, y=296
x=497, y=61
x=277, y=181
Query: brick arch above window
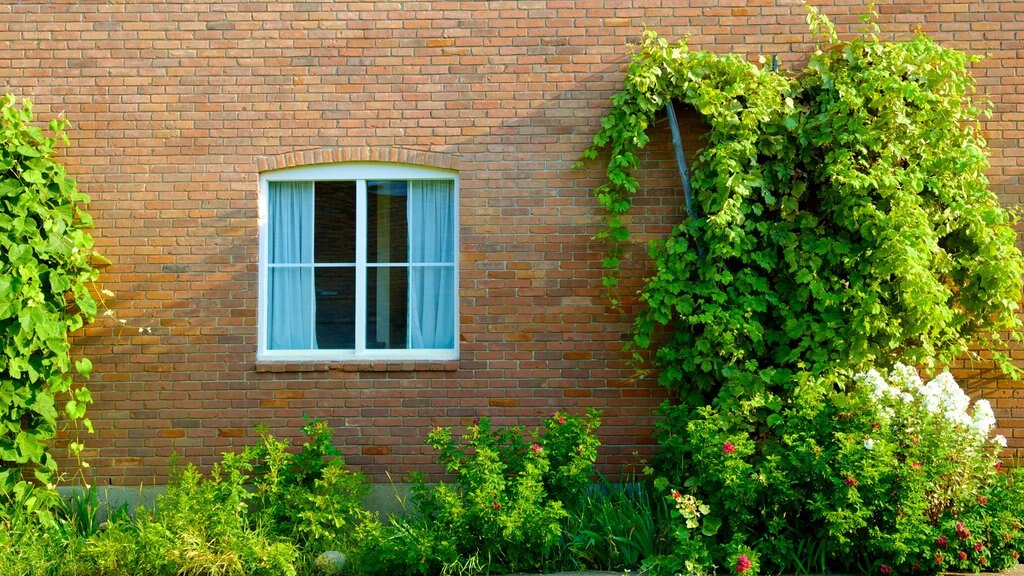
x=381, y=154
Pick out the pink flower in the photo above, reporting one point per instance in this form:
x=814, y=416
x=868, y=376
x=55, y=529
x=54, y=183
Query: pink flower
x=941, y=542
x=979, y=545
x=850, y=481
x=915, y=465
x=561, y=420
x=885, y=569
x=536, y=448
x=962, y=555
x=962, y=532
x=729, y=448
x=999, y=464
x=742, y=563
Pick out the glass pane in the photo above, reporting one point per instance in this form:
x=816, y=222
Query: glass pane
x=335, y=214
x=432, y=307
x=387, y=238
x=336, y=308
x=431, y=221
x=290, y=222
x=289, y=309
x=387, y=305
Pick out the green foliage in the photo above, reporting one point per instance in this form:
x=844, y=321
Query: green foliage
x=885, y=471
x=617, y=526
x=848, y=219
x=199, y=526
x=262, y=512
x=847, y=223
x=45, y=274
x=309, y=498
x=502, y=512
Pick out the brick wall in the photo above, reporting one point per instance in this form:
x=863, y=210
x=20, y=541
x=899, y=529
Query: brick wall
x=177, y=107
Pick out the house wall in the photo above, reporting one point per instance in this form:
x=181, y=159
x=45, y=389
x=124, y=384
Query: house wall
x=178, y=106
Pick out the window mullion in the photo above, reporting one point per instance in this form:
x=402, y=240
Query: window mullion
x=361, y=241
x=312, y=268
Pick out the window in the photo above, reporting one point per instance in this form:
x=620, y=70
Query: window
x=358, y=261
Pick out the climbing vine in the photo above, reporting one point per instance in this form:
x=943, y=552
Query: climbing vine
x=847, y=219
x=842, y=222
x=45, y=274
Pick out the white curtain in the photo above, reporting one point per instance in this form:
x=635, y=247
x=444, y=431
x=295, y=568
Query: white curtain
x=290, y=310
x=431, y=219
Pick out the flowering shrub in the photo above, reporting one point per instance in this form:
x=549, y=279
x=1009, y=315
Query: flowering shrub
x=885, y=473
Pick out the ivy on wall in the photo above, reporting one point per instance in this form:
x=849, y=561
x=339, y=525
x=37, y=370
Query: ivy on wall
x=45, y=275
x=847, y=219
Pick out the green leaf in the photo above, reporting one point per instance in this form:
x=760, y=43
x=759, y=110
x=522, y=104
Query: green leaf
x=84, y=367
x=710, y=526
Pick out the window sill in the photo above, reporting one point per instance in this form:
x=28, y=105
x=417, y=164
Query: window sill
x=358, y=366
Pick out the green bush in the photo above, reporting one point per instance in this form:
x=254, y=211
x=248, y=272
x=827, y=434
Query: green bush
x=262, y=512
x=881, y=474
x=501, y=512
x=309, y=498
x=199, y=526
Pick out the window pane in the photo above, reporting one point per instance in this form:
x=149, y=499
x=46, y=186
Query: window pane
x=432, y=307
x=291, y=222
x=387, y=302
x=387, y=236
x=289, y=310
x=335, y=213
x=335, y=308
x=432, y=221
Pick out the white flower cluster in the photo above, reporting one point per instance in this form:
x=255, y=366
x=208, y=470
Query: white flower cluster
x=940, y=396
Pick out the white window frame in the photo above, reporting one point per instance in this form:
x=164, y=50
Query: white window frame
x=359, y=172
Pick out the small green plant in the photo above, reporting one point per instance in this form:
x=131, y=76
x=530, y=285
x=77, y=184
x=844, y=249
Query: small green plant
x=617, y=526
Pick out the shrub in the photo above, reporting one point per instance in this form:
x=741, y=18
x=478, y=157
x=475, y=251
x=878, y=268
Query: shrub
x=309, y=498
x=199, y=526
x=264, y=511
x=880, y=471
x=501, y=512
